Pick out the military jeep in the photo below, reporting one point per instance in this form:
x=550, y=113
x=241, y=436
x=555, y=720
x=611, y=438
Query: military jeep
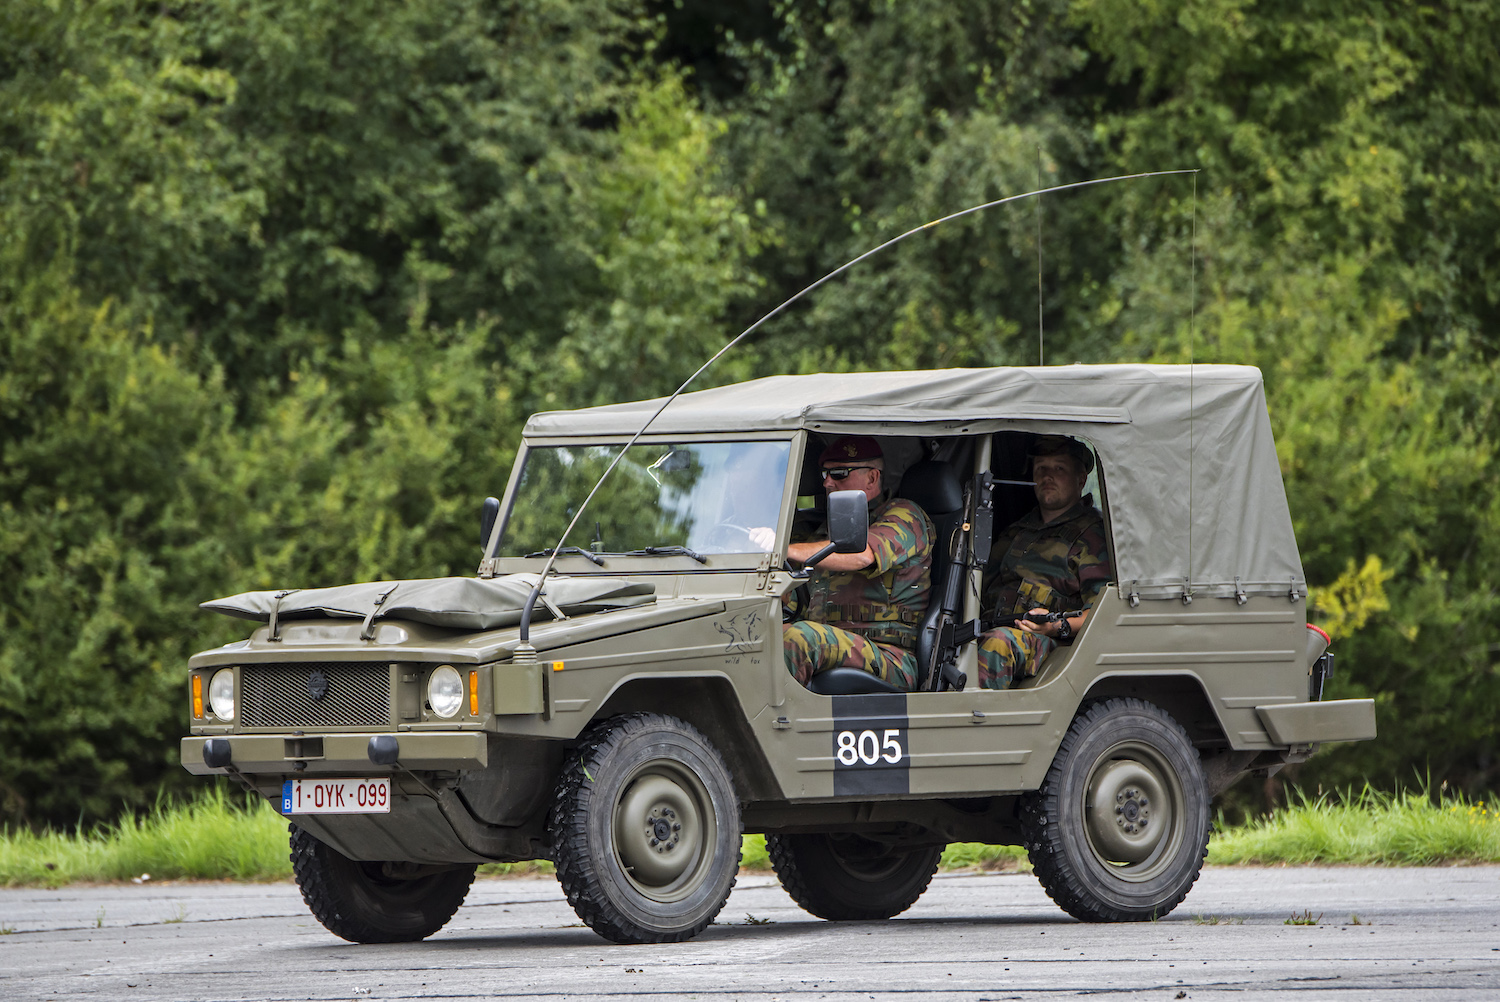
x=646, y=720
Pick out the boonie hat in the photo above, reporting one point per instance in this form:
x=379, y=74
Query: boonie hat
x=851, y=449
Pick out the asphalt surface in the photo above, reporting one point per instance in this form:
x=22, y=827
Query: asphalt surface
x=1379, y=934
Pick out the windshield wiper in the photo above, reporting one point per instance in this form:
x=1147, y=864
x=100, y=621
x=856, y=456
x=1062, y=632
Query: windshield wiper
x=667, y=551
x=560, y=551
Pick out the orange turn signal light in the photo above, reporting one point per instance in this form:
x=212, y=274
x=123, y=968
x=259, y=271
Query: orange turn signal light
x=473, y=693
x=198, y=696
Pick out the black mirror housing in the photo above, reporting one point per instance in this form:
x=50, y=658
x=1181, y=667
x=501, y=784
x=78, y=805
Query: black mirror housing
x=848, y=525
x=487, y=521
x=848, y=521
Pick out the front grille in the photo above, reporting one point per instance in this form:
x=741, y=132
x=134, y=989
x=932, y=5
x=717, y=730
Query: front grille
x=278, y=695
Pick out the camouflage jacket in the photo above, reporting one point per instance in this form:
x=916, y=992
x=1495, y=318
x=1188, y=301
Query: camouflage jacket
x=1060, y=566
x=885, y=601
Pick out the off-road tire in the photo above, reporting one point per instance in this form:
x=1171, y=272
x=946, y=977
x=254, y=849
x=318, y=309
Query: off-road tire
x=1123, y=767
x=633, y=778
x=356, y=901
x=846, y=877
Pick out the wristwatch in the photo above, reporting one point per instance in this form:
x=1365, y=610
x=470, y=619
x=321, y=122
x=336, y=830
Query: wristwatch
x=1064, y=629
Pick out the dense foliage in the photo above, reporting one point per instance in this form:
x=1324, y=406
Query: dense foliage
x=278, y=286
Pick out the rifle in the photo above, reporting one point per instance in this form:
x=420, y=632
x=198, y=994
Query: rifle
x=972, y=540
x=974, y=628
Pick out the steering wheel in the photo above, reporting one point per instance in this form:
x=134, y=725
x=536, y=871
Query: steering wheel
x=794, y=603
x=732, y=534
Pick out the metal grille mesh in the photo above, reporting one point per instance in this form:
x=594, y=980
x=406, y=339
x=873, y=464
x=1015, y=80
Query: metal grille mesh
x=359, y=695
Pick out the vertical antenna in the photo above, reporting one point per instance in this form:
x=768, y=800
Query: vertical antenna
x=1041, y=334
x=1192, y=337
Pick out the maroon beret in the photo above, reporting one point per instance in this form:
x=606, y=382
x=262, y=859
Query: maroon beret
x=850, y=449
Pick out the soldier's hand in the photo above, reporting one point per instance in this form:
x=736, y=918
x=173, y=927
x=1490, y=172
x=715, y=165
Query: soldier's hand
x=1041, y=629
x=763, y=537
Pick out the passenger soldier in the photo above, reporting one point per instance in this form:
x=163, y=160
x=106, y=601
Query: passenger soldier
x=1053, y=559
x=864, y=607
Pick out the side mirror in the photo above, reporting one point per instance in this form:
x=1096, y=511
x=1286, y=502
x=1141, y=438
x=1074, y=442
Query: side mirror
x=848, y=525
x=487, y=522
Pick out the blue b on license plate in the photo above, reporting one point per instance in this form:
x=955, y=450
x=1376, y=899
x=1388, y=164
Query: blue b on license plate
x=336, y=796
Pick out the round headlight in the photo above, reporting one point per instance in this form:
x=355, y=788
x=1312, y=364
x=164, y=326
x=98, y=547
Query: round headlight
x=445, y=691
x=221, y=694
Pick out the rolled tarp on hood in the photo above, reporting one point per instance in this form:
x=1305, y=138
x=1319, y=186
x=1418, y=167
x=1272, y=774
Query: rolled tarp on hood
x=457, y=603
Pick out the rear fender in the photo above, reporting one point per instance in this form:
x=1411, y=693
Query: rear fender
x=1181, y=695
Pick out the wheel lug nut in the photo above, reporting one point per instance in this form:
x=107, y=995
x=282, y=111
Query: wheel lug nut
x=1119, y=810
x=677, y=826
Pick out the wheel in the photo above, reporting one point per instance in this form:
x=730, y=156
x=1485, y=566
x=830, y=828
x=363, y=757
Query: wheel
x=843, y=877
x=1119, y=828
x=646, y=830
x=374, y=902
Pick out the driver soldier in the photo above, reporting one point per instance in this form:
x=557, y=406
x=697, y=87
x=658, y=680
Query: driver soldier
x=1055, y=558
x=864, y=607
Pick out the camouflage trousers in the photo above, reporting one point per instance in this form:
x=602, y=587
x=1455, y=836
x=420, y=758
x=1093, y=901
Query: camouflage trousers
x=1008, y=654
x=813, y=647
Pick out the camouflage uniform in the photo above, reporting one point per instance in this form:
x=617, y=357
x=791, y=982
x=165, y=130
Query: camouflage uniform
x=1061, y=566
x=868, y=618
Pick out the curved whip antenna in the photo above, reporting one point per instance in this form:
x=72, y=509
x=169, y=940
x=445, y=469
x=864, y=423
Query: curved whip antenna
x=536, y=590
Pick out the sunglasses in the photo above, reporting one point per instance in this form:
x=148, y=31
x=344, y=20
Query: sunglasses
x=842, y=472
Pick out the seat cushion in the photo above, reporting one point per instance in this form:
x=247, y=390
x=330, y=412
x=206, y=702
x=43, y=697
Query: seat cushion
x=845, y=681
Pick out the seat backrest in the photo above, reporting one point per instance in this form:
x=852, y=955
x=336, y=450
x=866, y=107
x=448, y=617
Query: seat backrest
x=934, y=486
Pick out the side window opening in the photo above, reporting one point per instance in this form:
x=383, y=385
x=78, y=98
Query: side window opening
x=1010, y=461
x=1015, y=501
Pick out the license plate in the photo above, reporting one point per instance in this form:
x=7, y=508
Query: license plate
x=336, y=796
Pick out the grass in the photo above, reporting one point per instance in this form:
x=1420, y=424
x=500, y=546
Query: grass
x=1218, y=920
x=215, y=837
x=225, y=837
x=1403, y=829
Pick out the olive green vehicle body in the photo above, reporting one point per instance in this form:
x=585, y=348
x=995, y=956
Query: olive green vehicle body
x=1230, y=665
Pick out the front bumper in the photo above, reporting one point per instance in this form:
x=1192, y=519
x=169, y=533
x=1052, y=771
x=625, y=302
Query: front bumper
x=257, y=754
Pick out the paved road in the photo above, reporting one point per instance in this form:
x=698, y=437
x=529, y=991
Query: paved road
x=1420, y=934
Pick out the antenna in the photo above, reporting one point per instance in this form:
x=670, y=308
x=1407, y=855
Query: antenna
x=1041, y=334
x=1192, y=337
x=524, y=651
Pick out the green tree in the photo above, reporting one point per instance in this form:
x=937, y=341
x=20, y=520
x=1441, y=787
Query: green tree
x=277, y=288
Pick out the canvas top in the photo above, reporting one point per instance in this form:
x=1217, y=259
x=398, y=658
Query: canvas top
x=1194, y=485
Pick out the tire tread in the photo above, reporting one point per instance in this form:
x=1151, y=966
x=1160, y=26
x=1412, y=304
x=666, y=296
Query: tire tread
x=314, y=865
x=581, y=884
x=815, y=898
x=1063, y=882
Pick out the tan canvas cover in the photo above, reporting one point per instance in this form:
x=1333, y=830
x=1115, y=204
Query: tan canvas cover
x=1195, y=492
x=458, y=603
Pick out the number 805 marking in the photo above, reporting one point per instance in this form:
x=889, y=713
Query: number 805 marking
x=869, y=748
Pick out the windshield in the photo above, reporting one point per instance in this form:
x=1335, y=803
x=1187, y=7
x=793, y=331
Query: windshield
x=708, y=497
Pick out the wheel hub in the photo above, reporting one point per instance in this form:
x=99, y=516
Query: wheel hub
x=1128, y=811
x=658, y=831
x=664, y=831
